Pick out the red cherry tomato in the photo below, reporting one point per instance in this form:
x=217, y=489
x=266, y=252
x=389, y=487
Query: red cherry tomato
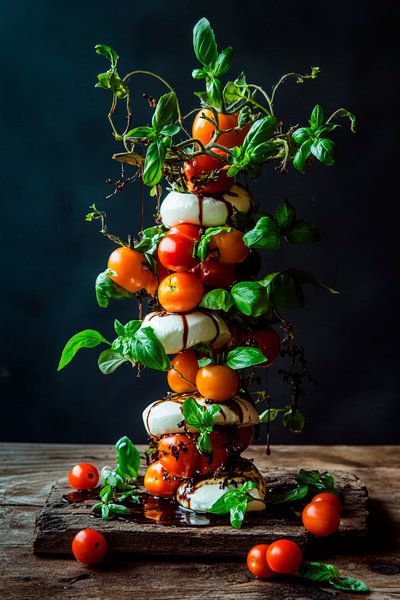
x=242, y=438
x=83, y=476
x=257, y=562
x=330, y=498
x=157, y=482
x=192, y=231
x=89, y=546
x=321, y=518
x=175, y=252
x=178, y=455
x=219, y=457
x=267, y=340
x=206, y=174
x=203, y=130
x=213, y=273
x=284, y=556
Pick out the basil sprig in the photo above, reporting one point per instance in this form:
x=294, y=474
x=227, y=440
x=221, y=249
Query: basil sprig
x=292, y=418
x=106, y=289
x=150, y=238
x=234, y=502
x=308, y=484
x=203, y=245
x=110, y=80
x=256, y=148
x=316, y=571
x=89, y=338
x=203, y=420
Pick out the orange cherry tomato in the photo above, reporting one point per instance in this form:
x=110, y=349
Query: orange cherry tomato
x=89, y=546
x=219, y=457
x=330, y=498
x=180, y=292
x=192, y=231
x=205, y=174
x=217, y=382
x=83, y=476
x=157, y=482
x=203, y=130
x=133, y=270
x=182, y=378
x=321, y=518
x=257, y=562
x=230, y=246
x=284, y=556
x=267, y=340
x=178, y=455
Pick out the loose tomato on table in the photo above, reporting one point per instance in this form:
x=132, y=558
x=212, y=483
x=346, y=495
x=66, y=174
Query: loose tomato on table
x=203, y=130
x=132, y=270
x=257, y=562
x=205, y=174
x=180, y=292
x=330, y=498
x=175, y=252
x=321, y=518
x=284, y=556
x=267, y=340
x=219, y=457
x=217, y=382
x=89, y=546
x=83, y=476
x=213, y=273
x=181, y=378
x=230, y=247
x=178, y=455
x=158, y=482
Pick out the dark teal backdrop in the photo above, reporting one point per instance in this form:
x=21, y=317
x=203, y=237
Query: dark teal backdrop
x=57, y=149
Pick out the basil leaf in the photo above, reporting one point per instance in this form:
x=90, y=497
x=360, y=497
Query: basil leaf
x=223, y=62
x=200, y=73
x=150, y=238
x=243, y=357
x=237, y=513
x=302, y=232
x=284, y=215
x=248, y=485
x=109, y=361
x=265, y=234
x=106, y=493
x=165, y=111
x=128, y=458
x=204, y=44
x=170, y=130
x=283, y=292
x=301, y=135
x=288, y=496
x=192, y=413
x=223, y=505
x=306, y=277
x=260, y=132
x=204, y=362
x=218, y=299
x=89, y=338
x=149, y=351
x=204, y=444
x=244, y=116
x=105, y=512
x=107, y=52
x=106, y=288
x=270, y=414
x=349, y=584
x=210, y=414
x=316, y=571
x=119, y=328
x=202, y=248
x=141, y=132
x=294, y=421
x=316, y=479
x=317, y=117
x=301, y=155
x=110, y=479
x=153, y=163
x=119, y=509
x=261, y=152
x=250, y=298
x=235, y=91
x=323, y=150
x=214, y=92
x=132, y=327
x=342, y=112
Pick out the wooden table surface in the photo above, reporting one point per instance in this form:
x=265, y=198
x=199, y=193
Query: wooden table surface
x=27, y=471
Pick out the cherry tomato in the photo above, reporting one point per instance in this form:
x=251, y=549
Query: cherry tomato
x=257, y=562
x=230, y=246
x=206, y=174
x=175, y=252
x=321, y=518
x=213, y=273
x=284, y=556
x=220, y=455
x=83, y=477
x=203, y=130
x=242, y=438
x=267, y=340
x=133, y=270
x=192, y=231
x=217, y=382
x=178, y=455
x=89, y=546
x=180, y=292
x=185, y=371
x=330, y=498
x=157, y=482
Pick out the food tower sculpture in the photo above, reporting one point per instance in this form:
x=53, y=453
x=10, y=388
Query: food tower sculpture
x=212, y=318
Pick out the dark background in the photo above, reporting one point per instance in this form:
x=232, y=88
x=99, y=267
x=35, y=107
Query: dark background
x=57, y=148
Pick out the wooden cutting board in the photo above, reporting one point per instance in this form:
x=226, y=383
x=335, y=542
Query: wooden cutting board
x=163, y=529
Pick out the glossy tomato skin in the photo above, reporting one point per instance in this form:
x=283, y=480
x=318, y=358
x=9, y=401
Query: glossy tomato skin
x=185, y=371
x=175, y=252
x=157, y=482
x=330, y=498
x=217, y=382
x=133, y=270
x=197, y=169
x=192, y=231
x=230, y=247
x=267, y=340
x=178, y=455
x=257, y=562
x=219, y=458
x=284, y=556
x=203, y=130
x=321, y=518
x=89, y=546
x=180, y=292
x=213, y=273
x=83, y=476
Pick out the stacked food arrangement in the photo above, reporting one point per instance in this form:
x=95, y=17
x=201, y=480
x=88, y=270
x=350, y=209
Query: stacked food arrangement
x=213, y=324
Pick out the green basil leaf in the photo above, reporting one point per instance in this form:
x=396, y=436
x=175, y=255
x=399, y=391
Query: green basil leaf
x=317, y=117
x=109, y=361
x=302, y=232
x=284, y=215
x=260, y=132
x=301, y=155
x=342, y=112
x=107, y=52
x=270, y=414
x=243, y=357
x=210, y=415
x=89, y=338
x=119, y=328
x=150, y=238
x=204, y=444
x=294, y=421
x=223, y=505
x=316, y=571
x=324, y=150
x=248, y=485
x=106, y=493
x=132, y=327
x=110, y=479
x=223, y=62
x=97, y=506
x=301, y=135
x=202, y=248
x=119, y=509
x=316, y=479
x=192, y=413
x=128, y=458
x=214, y=92
x=153, y=163
x=218, y=299
x=170, y=130
x=265, y=234
x=261, y=152
x=103, y=80
x=204, y=362
x=204, y=44
x=283, y=292
x=250, y=298
x=200, y=73
x=105, y=512
x=237, y=90
x=149, y=351
x=306, y=277
x=165, y=111
x=244, y=116
x=118, y=86
x=237, y=513
x=293, y=495
x=141, y=132
x=106, y=289
x=326, y=129
x=350, y=584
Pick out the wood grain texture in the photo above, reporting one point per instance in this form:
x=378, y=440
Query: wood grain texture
x=26, y=475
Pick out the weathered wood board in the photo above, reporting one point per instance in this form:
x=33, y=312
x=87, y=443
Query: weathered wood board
x=58, y=522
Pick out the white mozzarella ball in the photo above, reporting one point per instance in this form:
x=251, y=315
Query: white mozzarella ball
x=179, y=207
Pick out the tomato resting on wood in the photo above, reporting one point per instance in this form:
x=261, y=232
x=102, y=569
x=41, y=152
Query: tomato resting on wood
x=83, y=476
x=178, y=455
x=217, y=382
x=181, y=378
x=205, y=174
x=89, y=546
x=330, y=498
x=180, y=292
x=321, y=518
x=230, y=247
x=284, y=556
x=132, y=270
x=175, y=252
x=203, y=130
x=158, y=482
x=257, y=562
x=267, y=340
